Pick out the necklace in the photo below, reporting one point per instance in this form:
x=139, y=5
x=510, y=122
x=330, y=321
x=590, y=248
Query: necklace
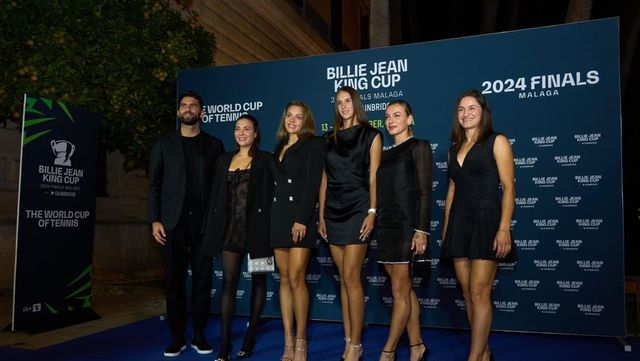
x=395, y=145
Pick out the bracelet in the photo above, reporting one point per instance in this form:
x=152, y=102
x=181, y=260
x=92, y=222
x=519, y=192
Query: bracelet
x=372, y=210
x=420, y=231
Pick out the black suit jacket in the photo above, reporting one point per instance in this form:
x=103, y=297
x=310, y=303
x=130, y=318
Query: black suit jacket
x=258, y=206
x=168, y=176
x=297, y=180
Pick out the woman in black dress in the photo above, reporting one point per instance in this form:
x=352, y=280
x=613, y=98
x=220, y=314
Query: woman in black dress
x=297, y=168
x=404, y=217
x=238, y=223
x=348, y=206
x=478, y=210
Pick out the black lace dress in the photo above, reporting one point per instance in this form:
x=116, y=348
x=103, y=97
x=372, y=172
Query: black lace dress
x=235, y=238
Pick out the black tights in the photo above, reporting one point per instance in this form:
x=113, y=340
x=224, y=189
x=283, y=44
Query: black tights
x=231, y=263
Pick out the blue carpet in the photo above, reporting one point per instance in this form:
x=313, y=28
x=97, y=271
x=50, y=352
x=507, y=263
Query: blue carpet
x=145, y=340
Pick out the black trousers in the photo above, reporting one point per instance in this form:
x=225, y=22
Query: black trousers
x=184, y=246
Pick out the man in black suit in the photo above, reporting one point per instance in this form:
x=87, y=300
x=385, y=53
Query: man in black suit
x=179, y=185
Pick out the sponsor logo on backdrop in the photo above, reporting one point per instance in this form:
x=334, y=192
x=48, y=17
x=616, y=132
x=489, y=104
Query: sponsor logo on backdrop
x=442, y=166
x=434, y=262
x=527, y=285
x=568, y=201
x=246, y=275
x=313, y=278
x=376, y=281
x=63, y=151
x=275, y=276
x=569, y=244
x=507, y=266
x=440, y=203
x=460, y=303
x=269, y=295
x=213, y=291
x=588, y=180
x=587, y=138
x=239, y=294
x=547, y=307
x=365, y=76
x=541, y=85
x=526, y=244
x=447, y=282
x=544, y=182
x=217, y=273
x=434, y=185
x=569, y=286
x=429, y=302
x=589, y=223
x=512, y=141
x=567, y=160
x=590, y=309
x=434, y=225
x=505, y=306
x=434, y=146
x=229, y=112
x=526, y=202
x=324, y=260
x=326, y=298
x=525, y=162
x=495, y=283
x=542, y=142
x=546, y=224
x=546, y=264
x=387, y=300
x=590, y=265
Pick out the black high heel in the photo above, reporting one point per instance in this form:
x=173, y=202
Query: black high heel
x=247, y=348
x=491, y=358
x=425, y=354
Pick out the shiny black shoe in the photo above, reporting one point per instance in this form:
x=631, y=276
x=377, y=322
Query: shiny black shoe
x=176, y=346
x=425, y=354
x=491, y=358
x=247, y=348
x=200, y=344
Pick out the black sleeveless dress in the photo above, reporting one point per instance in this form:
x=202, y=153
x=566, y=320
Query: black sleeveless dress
x=347, y=197
x=474, y=217
x=404, y=198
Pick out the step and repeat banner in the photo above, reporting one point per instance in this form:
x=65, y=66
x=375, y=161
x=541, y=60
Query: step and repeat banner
x=554, y=92
x=56, y=212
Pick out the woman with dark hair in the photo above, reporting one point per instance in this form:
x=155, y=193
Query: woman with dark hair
x=297, y=168
x=348, y=206
x=237, y=223
x=478, y=210
x=404, y=217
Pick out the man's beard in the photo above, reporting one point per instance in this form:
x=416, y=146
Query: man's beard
x=190, y=121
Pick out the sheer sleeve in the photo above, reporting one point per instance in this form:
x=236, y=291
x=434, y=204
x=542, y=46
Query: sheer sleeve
x=422, y=162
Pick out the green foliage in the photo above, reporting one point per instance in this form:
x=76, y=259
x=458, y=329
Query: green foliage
x=119, y=58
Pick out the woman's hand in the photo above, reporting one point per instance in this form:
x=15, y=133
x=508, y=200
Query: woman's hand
x=367, y=226
x=322, y=228
x=419, y=242
x=298, y=232
x=502, y=243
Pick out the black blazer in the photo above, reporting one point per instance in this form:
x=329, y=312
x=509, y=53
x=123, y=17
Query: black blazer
x=258, y=206
x=297, y=180
x=168, y=176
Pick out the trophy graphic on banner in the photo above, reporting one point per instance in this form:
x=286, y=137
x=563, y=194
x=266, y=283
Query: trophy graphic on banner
x=63, y=150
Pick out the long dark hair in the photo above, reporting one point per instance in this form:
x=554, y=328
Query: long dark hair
x=485, y=128
x=256, y=128
x=358, y=111
x=308, y=128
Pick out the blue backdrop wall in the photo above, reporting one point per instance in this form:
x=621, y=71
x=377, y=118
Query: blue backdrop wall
x=555, y=93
